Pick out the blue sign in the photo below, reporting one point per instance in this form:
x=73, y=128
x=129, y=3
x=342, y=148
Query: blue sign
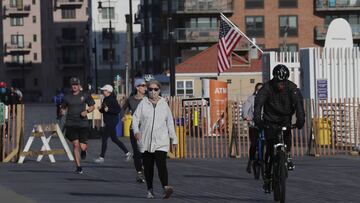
x=322, y=89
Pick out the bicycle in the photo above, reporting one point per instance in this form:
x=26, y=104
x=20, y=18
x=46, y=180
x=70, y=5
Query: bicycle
x=258, y=164
x=280, y=169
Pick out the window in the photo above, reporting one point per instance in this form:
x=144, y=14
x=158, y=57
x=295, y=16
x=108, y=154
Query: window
x=34, y=19
x=289, y=48
x=288, y=3
x=254, y=3
x=35, y=56
x=16, y=3
x=69, y=55
x=185, y=88
x=108, y=13
x=17, y=58
x=17, y=40
x=17, y=21
x=68, y=33
x=68, y=13
x=34, y=38
x=106, y=33
x=33, y=2
x=107, y=54
x=252, y=81
x=202, y=22
x=255, y=26
x=288, y=24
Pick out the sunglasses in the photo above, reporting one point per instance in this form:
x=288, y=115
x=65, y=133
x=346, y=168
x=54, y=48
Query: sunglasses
x=142, y=85
x=153, y=89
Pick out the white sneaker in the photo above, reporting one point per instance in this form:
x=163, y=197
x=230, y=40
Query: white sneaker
x=99, y=160
x=150, y=194
x=128, y=156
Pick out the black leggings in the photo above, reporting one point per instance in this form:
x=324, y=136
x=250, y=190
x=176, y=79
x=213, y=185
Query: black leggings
x=254, y=141
x=159, y=157
x=110, y=131
x=271, y=136
x=137, y=154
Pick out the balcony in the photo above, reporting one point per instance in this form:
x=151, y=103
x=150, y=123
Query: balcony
x=337, y=5
x=18, y=66
x=203, y=6
x=107, y=62
x=320, y=32
x=196, y=35
x=69, y=3
x=76, y=41
x=19, y=10
x=24, y=48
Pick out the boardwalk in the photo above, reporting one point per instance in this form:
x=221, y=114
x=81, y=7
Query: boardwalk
x=327, y=179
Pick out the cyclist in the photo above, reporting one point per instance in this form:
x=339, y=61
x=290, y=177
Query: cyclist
x=279, y=99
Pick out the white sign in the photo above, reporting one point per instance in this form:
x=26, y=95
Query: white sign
x=339, y=34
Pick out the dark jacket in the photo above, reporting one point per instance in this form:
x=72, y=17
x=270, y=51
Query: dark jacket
x=278, y=107
x=111, y=117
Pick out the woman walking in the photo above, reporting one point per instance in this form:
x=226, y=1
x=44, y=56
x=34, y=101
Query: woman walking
x=110, y=109
x=248, y=115
x=130, y=105
x=154, y=130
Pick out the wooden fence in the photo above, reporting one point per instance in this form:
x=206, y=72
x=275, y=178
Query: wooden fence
x=11, y=132
x=229, y=138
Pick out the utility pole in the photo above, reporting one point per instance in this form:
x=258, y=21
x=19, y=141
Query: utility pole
x=171, y=49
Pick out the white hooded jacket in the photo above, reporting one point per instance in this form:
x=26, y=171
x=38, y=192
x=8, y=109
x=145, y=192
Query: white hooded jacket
x=155, y=124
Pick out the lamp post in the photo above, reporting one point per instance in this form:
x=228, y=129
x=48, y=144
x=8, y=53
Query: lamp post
x=111, y=58
x=171, y=49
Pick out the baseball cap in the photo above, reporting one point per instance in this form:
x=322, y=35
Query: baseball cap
x=139, y=81
x=108, y=88
x=75, y=81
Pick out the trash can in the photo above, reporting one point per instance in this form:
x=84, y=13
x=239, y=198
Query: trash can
x=323, y=131
x=127, y=124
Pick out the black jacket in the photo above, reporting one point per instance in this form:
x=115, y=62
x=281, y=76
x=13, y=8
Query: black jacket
x=278, y=107
x=111, y=117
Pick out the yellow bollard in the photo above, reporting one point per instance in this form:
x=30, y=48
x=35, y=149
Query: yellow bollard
x=127, y=124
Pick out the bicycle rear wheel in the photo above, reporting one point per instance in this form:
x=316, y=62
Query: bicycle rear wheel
x=280, y=171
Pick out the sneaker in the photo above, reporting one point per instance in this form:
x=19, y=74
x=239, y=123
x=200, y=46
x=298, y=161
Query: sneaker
x=267, y=186
x=140, y=178
x=79, y=170
x=128, y=156
x=248, y=168
x=83, y=154
x=99, y=160
x=168, y=190
x=290, y=164
x=150, y=194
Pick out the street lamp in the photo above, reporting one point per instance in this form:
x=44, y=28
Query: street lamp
x=110, y=40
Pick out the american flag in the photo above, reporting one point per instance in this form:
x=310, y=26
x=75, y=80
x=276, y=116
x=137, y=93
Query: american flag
x=228, y=38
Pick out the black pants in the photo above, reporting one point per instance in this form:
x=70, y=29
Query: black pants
x=159, y=157
x=254, y=141
x=272, y=138
x=137, y=154
x=110, y=131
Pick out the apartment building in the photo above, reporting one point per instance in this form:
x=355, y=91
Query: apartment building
x=108, y=40
x=21, y=49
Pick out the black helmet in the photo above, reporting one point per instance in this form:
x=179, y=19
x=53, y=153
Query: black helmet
x=281, y=72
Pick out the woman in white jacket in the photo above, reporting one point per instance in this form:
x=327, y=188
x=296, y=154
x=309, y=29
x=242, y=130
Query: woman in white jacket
x=154, y=129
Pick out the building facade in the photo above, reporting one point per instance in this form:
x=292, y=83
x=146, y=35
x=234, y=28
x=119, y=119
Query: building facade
x=108, y=47
x=281, y=25
x=44, y=43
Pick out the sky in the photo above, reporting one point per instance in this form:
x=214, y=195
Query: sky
x=125, y=10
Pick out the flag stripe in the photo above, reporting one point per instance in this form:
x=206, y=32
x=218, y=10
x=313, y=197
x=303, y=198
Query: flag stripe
x=228, y=39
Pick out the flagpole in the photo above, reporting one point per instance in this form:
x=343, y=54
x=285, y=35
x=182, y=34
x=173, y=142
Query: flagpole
x=227, y=20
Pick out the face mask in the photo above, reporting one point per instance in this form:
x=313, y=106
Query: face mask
x=153, y=94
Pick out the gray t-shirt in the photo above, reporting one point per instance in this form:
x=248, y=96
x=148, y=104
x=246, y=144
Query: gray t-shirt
x=75, y=105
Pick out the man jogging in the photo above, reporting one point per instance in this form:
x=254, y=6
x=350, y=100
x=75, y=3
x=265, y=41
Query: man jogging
x=76, y=120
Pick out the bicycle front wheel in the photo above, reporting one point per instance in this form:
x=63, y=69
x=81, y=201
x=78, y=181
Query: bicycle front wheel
x=279, y=178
